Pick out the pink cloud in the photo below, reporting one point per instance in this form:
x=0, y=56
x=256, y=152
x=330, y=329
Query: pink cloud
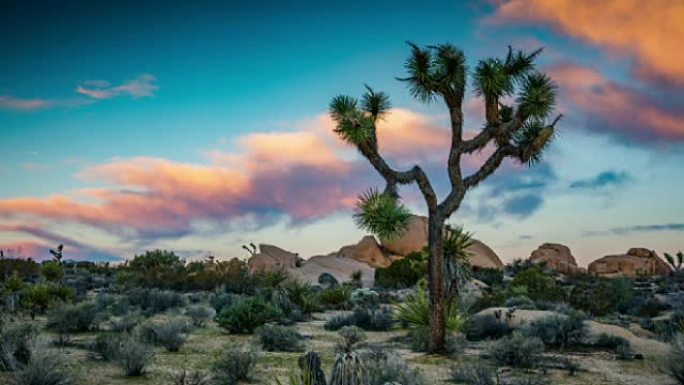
x=623, y=110
x=650, y=32
x=13, y=103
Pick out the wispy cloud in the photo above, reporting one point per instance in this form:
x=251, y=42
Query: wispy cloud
x=13, y=103
x=604, y=179
x=639, y=229
x=140, y=87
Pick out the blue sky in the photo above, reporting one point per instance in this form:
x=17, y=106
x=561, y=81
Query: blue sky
x=201, y=126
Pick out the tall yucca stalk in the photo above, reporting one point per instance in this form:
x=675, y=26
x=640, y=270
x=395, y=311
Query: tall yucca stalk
x=519, y=131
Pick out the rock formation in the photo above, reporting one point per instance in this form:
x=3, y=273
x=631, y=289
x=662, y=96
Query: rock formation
x=271, y=258
x=557, y=257
x=416, y=238
x=368, y=251
x=636, y=262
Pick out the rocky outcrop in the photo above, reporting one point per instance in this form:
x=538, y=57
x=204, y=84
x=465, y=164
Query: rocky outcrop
x=339, y=267
x=368, y=251
x=483, y=256
x=557, y=257
x=635, y=263
x=416, y=238
x=270, y=258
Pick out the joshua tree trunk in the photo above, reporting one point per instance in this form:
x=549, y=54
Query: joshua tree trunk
x=519, y=132
x=436, y=284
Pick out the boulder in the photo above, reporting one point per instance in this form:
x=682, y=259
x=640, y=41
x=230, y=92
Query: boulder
x=635, y=263
x=368, y=251
x=271, y=258
x=557, y=257
x=339, y=267
x=416, y=238
x=483, y=256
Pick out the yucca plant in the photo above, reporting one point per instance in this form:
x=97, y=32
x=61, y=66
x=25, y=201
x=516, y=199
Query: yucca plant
x=415, y=311
x=519, y=131
x=457, y=260
x=349, y=369
x=675, y=261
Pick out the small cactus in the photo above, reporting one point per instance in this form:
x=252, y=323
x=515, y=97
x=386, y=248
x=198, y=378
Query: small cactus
x=349, y=369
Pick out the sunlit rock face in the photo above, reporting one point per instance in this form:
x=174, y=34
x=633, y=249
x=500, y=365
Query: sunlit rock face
x=271, y=258
x=557, y=257
x=637, y=262
x=416, y=238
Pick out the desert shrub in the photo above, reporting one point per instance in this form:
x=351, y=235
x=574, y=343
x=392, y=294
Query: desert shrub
x=247, y=315
x=601, y=296
x=473, y=374
x=520, y=302
x=374, y=318
x=134, y=357
x=496, y=298
x=516, y=350
x=16, y=345
x=154, y=301
x=170, y=334
x=624, y=352
x=419, y=339
x=200, y=314
x=106, y=346
x=42, y=369
x=124, y=324
x=303, y=296
x=491, y=276
x=52, y=270
x=674, y=362
x=339, y=321
x=607, y=341
x=275, y=338
x=644, y=306
x=232, y=365
x=350, y=338
x=338, y=298
x=559, y=331
x=365, y=298
x=532, y=380
x=191, y=377
x=537, y=285
x=390, y=368
x=558, y=307
x=328, y=280
x=402, y=273
x=222, y=301
x=68, y=319
x=415, y=312
x=487, y=326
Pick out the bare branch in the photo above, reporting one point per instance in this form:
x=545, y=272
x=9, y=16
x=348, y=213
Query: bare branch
x=491, y=164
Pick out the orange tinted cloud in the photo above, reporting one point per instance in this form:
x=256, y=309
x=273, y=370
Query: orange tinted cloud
x=611, y=106
x=649, y=31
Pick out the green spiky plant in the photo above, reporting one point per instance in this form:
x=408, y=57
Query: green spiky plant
x=349, y=369
x=518, y=131
x=675, y=261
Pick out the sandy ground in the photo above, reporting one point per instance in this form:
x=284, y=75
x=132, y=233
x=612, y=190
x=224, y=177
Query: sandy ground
x=597, y=367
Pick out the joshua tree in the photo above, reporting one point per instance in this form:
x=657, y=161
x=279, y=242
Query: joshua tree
x=677, y=266
x=57, y=253
x=252, y=249
x=518, y=101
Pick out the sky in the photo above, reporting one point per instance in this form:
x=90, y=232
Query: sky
x=201, y=126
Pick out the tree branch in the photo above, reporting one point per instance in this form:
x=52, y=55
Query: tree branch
x=491, y=164
x=394, y=178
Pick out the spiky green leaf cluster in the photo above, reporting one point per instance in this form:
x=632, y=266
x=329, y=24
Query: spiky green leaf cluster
x=381, y=214
x=538, y=96
x=675, y=261
x=435, y=70
x=533, y=138
x=375, y=103
x=352, y=125
x=495, y=77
